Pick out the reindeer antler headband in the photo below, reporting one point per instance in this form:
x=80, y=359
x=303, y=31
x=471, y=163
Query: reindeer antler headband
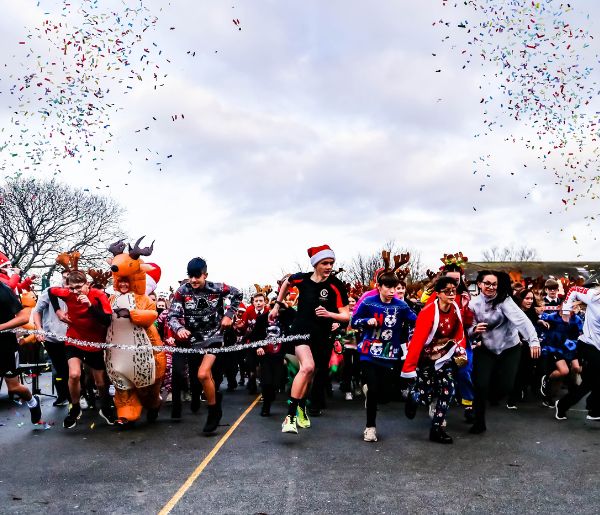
x=454, y=259
x=68, y=260
x=100, y=278
x=399, y=261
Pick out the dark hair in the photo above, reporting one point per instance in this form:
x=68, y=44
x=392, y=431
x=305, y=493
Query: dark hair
x=531, y=313
x=402, y=282
x=389, y=279
x=443, y=282
x=196, y=267
x=76, y=276
x=259, y=294
x=462, y=286
x=504, y=289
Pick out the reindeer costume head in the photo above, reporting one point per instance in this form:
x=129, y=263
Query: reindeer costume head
x=129, y=265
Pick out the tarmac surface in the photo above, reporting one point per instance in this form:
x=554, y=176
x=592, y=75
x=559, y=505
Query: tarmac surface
x=527, y=462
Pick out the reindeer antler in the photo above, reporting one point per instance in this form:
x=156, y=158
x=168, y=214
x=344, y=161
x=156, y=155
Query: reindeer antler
x=68, y=260
x=431, y=274
x=400, y=260
x=402, y=273
x=99, y=277
x=258, y=288
x=118, y=247
x=136, y=251
x=385, y=254
x=63, y=260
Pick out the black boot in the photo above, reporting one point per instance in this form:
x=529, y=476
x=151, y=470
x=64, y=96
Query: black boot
x=410, y=406
x=195, y=404
x=437, y=434
x=266, y=409
x=212, y=420
x=176, y=409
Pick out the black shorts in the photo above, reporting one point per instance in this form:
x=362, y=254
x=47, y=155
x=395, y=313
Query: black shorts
x=9, y=359
x=93, y=359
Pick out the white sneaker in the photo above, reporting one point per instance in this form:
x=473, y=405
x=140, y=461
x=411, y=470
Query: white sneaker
x=111, y=390
x=169, y=398
x=83, y=404
x=348, y=396
x=370, y=434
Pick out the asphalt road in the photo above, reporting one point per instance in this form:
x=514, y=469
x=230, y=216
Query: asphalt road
x=526, y=463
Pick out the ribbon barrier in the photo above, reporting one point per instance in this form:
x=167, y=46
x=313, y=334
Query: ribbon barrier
x=166, y=348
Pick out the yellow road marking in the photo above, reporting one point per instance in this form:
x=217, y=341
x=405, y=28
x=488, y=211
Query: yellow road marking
x=194, y=475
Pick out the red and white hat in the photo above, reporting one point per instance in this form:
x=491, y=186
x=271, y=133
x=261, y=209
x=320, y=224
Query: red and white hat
x=320, y=253
x=242, y=307
x=152, y=278
x=4, y=261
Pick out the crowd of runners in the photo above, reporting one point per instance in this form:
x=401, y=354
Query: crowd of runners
x=439, y=344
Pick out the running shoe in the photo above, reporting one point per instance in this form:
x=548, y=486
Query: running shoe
x=111, y=390
x=108, y=414
x=348, y=396
x=511, y=405
x=593, y=415
x=545, y=386
x=60, y=401
x=289, y=425
x=437, y=434
x=370, y=434
x=432, y=409
x=83, y=403
x=558, y=413
x=212, y=421
x=36, y=411
x=547, y=403
x=302, y=418
x=74, y=415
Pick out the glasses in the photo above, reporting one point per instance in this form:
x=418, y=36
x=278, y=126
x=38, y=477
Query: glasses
x=449, y=291
x=195, y=276
x=490, y=285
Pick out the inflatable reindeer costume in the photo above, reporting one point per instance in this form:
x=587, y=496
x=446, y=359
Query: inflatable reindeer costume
x=136, y=374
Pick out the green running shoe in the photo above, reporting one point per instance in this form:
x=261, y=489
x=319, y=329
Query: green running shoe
x=302, y=418
x=289, y=425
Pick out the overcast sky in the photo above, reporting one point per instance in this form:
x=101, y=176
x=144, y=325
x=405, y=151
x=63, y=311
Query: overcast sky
x=318, y=122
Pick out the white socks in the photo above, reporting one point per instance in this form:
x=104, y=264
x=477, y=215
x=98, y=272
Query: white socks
x=32, y=403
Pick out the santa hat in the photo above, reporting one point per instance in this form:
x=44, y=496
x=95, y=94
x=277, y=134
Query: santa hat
x=320, y=253
x=152, y=277
x=242, y=307
x=4, y=261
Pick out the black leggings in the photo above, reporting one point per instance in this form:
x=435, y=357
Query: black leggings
x=271, y=366
x=590, y=380
x=321, y=355
x=56, y=352
x=377, y=379
x=178, y=380
x=351, y=370
x=493, y=375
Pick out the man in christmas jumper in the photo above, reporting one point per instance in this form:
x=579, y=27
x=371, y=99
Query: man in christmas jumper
x=198, y=316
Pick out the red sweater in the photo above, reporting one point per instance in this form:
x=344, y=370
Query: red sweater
x=426, y=327
x=84, y=324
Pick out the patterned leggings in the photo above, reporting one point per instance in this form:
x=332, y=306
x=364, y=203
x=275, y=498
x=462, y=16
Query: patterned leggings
x=440, y=383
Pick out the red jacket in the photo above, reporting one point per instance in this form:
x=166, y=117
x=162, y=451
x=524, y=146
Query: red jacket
x=425, y=329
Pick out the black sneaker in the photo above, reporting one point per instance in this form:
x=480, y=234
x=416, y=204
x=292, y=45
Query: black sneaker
x=437, y=434
x=108, y=414
x=545, y=386
x=477, y=428
x=176, y=411
x=152, y=414
x=410, y=406
x=61, y=401
x=74, y=415
x=36, y=411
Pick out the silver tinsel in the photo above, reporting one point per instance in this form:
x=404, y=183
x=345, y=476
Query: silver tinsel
x=165, y=348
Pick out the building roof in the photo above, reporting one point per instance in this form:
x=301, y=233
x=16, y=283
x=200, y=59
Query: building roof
x=534, y=269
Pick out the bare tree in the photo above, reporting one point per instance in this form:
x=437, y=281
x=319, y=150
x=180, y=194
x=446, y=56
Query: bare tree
x=510, y=253
x=363, y=266
x=41, y=218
